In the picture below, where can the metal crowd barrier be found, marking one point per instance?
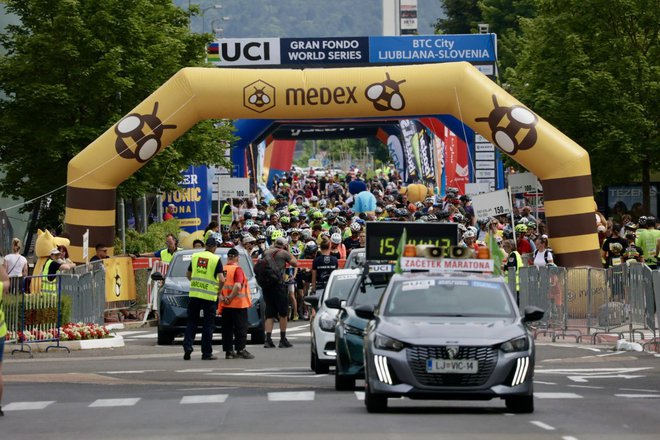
(592, 302)
(87, 295)
(35, 312)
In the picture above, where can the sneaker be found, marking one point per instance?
(296, 317)
(186, 355)
(284, 343)
(209, 358)
(230, 355)
(269, 343)
(244, 354)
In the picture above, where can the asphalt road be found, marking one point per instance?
(144, 391)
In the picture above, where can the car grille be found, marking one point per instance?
(176, 300)
(418, 355)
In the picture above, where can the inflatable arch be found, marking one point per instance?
(458, 89)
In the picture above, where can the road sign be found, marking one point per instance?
(233, 187)
(491, 204)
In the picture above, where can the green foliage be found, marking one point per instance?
(72, 69)
(150, 241)
(461, 17)
(590, 67)
(334, 149)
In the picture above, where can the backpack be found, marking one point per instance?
(266, 272)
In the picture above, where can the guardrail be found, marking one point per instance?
(591, 302)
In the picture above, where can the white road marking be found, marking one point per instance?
(544, 383)
(105, 403)
(555, 344)
(211, 398)
(27, 406)
(359, 395)
(587, 386)
(566, 437)
(557, 396)
(149, 336)
(291, 396)
(642, 391)
(639, 396)
(542, 425)
(508, 414)
(196, 370)
(207, 388)
(272, 374)
(130, 372)
(130, 333)
(616, 353)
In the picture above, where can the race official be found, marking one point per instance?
(206, 282)
(236, 301)
(165, 255)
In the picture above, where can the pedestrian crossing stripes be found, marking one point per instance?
(287, 396)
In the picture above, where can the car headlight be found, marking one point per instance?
(326, 322)
(351, 330)
(518, 344)
(386, 343)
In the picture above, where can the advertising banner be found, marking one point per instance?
(396, 153)
(325, 50)
(432, 48)
(491, 204)
(425, 153)
(408, 131)
(192, 202)
(119, 279)
(229, 52)
(457, 170)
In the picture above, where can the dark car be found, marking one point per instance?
(350, 328)
(448, 336)
(173, 298)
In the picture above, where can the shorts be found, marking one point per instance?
(2, 347)
(277, 302)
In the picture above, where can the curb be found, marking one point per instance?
(115, 341)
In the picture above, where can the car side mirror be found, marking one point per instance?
(365, 311)
(157, 276)
(532, 314)
(313, 301)
(333, 303)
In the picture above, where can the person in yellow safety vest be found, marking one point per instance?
(166, 254)
(206, 281)
(236, 301)
(51, 266)
(513, 262)
(4, 288)
(226, 215)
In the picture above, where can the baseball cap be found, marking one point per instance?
(55, 251)
(232, 252)
(249, 239)
(280, 242)
(211, 241)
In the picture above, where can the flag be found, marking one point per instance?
(399, 251)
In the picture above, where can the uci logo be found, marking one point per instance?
(131, 127)
(259, 96)
(513, 128)
(386, 95)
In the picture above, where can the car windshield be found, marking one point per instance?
(446, 297)
(179, 266)
(355, 258)
(341, 286)
(371, 291)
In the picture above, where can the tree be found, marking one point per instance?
(590, 67)
(75, 67)
(461, 17)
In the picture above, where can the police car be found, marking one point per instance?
(448, 336)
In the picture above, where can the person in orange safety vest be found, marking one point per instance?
(236, 301)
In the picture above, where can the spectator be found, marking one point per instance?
(16, 264)
(50, 269)
(101, 253)
(542, 255)
(169, 212)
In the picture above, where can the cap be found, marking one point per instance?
(249, 239)
(232, 252)
(280, 242)
(55, 251)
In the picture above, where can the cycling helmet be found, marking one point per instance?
(473, 229)
(306, 235)
(295, 213)
(294, 231)
(293, 207)
(379, 210)
(247, 215)
(524, 220)
(272, 202)
(224, 228)
(269, 230)
(277, 233)
(313, 199)
(641, 222)
(468, 234)
(331, 216)
(335, 230)
(295, 251)
(462, 228)
(401, 212)
(335, 210)
(285, 220)
(261, 238)
(341, 221)
(336, 238)
(356, 227)
(521, 228)
(531, 225)
(419, 205)
(249, 223)
(305, 205)
(418, 214)
(650, 221)
(318, 215)
(311, 247)
(459, 218)
(323, 203)
(304, 226)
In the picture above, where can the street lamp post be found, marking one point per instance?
(219, 30)
(216, 6)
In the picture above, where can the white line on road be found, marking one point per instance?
(27, 406)
(566, 437)
(544, 383)
(212, 398)
(291, 396)
(587, 386)
(557, 396)
(542, 425)
(611, 354)
(207, 388)
(129, 372)
(359, 395)
(105, 403)
(136, 332)
(642, 391)
(639, 396)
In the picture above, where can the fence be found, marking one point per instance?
(592, 302)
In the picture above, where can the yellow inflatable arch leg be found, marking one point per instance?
(459, 89)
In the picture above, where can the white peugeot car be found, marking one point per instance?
(322, 325)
